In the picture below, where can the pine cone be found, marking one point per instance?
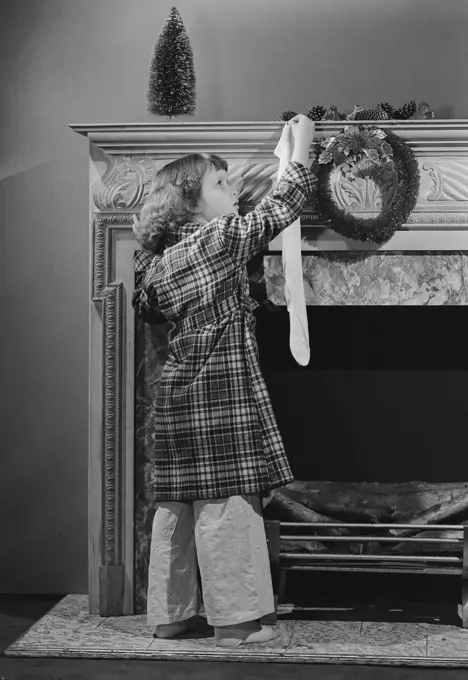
(388, 108)
(317, 113)
(371, 114)
(407, 110)
(287, 115)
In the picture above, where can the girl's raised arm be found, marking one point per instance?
(245, 237)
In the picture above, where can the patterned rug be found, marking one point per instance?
(305, 635)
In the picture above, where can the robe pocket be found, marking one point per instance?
(165, 521)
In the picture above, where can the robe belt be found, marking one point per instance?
(215, 314)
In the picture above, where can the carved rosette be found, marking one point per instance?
(112, 417)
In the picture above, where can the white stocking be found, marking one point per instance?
(292, 268)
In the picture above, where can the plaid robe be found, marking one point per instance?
(217, 435)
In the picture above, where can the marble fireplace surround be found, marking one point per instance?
(430, 254)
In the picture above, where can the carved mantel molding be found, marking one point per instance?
(111, 572)
(105, 229)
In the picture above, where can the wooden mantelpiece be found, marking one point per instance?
(123, 161)
(245, 138)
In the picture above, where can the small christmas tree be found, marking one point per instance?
(172, 75)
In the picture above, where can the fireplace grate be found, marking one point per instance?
(281, 561)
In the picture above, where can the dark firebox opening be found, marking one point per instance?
(384, 398)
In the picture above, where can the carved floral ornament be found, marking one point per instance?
(129, 180)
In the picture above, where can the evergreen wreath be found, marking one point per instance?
(385, 152)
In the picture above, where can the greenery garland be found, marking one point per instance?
(385, 151)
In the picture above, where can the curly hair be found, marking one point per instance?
(173, 198)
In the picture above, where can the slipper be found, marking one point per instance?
(170, 630)
(196, 624)
(263, 635)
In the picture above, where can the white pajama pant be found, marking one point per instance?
(226, 536)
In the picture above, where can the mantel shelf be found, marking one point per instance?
(258, 138)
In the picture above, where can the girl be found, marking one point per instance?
(217, 449)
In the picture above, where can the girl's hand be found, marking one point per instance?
(302, 130)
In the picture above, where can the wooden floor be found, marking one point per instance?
(17, 614)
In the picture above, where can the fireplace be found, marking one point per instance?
(385, 330)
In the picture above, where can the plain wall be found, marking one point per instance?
(86, 61)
